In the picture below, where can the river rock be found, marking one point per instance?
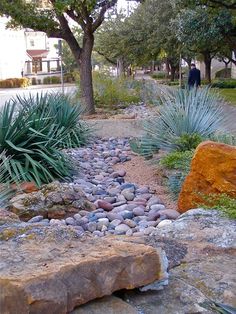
(169, 213)
(60, 274)
(121, 229)
(105, 205)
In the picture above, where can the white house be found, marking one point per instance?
(26, 52)
(12, 53)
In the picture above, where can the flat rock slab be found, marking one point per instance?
(52, 271)
(201, 249)
(106, 305)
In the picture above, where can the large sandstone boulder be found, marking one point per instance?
(213, 171)
(52, 270)
(201, 249)
(55, 200)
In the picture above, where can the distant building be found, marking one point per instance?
(26, 52)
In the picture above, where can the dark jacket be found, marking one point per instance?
(194, 77)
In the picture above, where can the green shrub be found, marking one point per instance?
(150, 92)
(175, 182)
(112, 92)
(178, 160)
(222, 202)
(229, 139)
(187, 141)
(52, 80)
(159, 75)
(224, 84)
(223, 73)
(15, 82)
(183, 111)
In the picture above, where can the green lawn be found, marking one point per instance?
(229, 94)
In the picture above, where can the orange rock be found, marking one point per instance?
(26, 187)
(213, 171)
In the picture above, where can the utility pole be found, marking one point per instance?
(180, 70)
(60, 56)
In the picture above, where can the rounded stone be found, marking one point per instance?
(170, 213)
(98, 233)
(100, 215)
(102, 222)
(149, 230)
(112, 216)
(129, 196)
(70, 221)
(121, 229)
(127, 214)
(84, 212)
(129, 232)
(105, 205)
(154, 215)
(157, 207)
(115, 223)
(77, 216)
(91, 226)
(36, 219)
(153, 200)
(110, 199)
(55, 222)
(138, 211)
(130, 223)
(164, 223)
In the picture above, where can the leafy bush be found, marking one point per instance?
(30, 142)
(224, 84)
(229, 139)
(111, 92)
(15, 82)
(175, 182)
(223, 73)
(193, 112)
(187, 141)
(150, 92)
(61, 113)
(222, 202)
(178, 160)
(159, 75)
(52, 80)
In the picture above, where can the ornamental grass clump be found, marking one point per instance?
(28, 146)
(32, 132)
(190, 114)
(60, 112)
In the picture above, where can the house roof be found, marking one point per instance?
(37, 53)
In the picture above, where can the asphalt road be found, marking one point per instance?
(7, 94)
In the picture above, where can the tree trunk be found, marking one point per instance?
(86, 79)
(167, 67)
(207, 61)
(120, 67)
(172, 73)
(83, 60)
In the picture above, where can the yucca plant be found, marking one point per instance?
(183, 112)
(28, 145)
(61, 112)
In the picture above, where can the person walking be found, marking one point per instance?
(194, 77)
